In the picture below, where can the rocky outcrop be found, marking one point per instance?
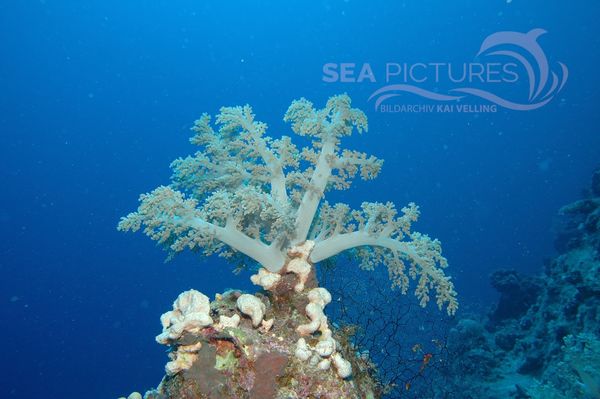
(541, 339)
(242, 357)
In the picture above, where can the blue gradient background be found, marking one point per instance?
(97, 98)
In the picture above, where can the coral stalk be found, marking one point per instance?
(246, 194)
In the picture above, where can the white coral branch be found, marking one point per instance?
(242, 117)
(418, 252)
(245, 192)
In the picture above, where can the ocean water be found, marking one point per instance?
(97, 98)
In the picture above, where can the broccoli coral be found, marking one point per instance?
(246, 193)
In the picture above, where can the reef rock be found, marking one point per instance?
(541, 340)
(251, 362)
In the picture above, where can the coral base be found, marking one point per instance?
(253, 363)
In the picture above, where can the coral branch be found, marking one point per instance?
(177, 223)
(417, 252)
(232, 118)
(337, 119)
(244, 193)
(312, 196)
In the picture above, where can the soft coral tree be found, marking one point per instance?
(245, 192)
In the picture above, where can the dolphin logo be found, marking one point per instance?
(528, 42)
(521, 47)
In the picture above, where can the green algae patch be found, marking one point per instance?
(227, 362)
(240, 335)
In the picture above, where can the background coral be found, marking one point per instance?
(541, 339)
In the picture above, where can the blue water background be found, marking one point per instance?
(97, 98)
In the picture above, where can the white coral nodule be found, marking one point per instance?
(265, 278)
(190, 314)
(244, 193)
(324, 353)
(133, 395)
(229, 322)
(252, 307)
(318, 298)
